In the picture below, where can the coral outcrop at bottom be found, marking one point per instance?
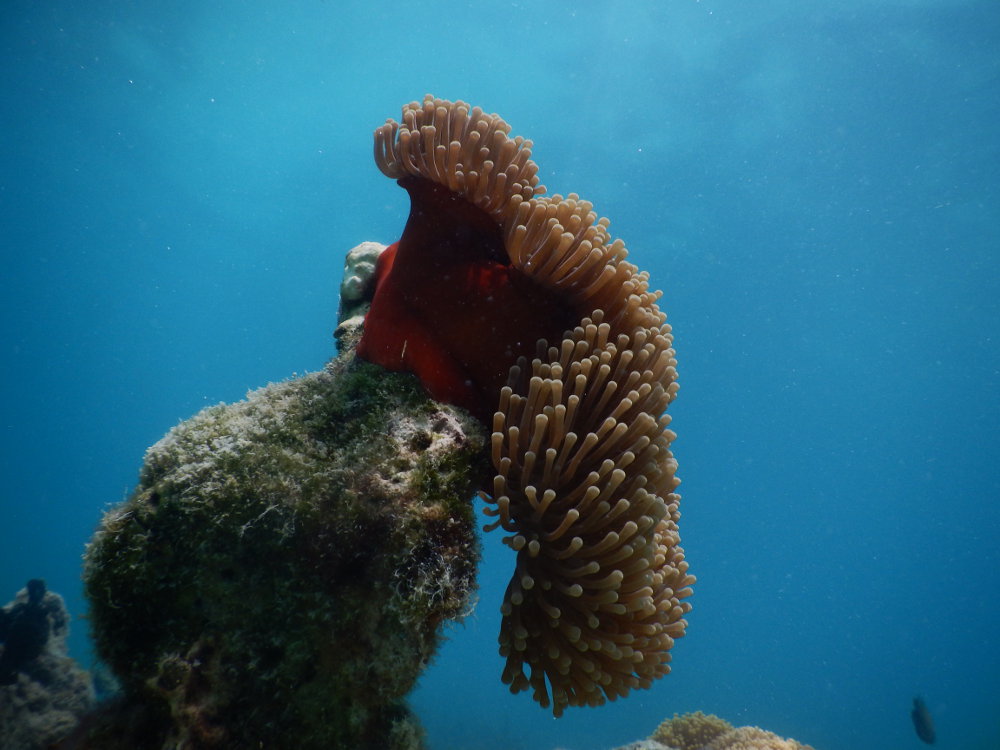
(698, 731)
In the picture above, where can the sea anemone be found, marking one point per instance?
(521, 308)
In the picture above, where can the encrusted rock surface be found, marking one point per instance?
(47, 693)
(280, 574)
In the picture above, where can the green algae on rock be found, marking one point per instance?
(281, 572)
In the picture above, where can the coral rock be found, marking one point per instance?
(279, 576)
(691, 731)
(698, 731)
(47, 693)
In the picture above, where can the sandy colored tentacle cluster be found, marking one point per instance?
(584, 475)
(558, 241)
(462, 148)
(585, 486)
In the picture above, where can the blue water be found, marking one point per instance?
(814, 186)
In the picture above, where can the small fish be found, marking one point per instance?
(922, 721)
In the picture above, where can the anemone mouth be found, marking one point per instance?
(584, 483)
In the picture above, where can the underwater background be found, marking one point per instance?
(813, 185)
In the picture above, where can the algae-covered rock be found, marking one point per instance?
(43, 693)
(279, 576)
